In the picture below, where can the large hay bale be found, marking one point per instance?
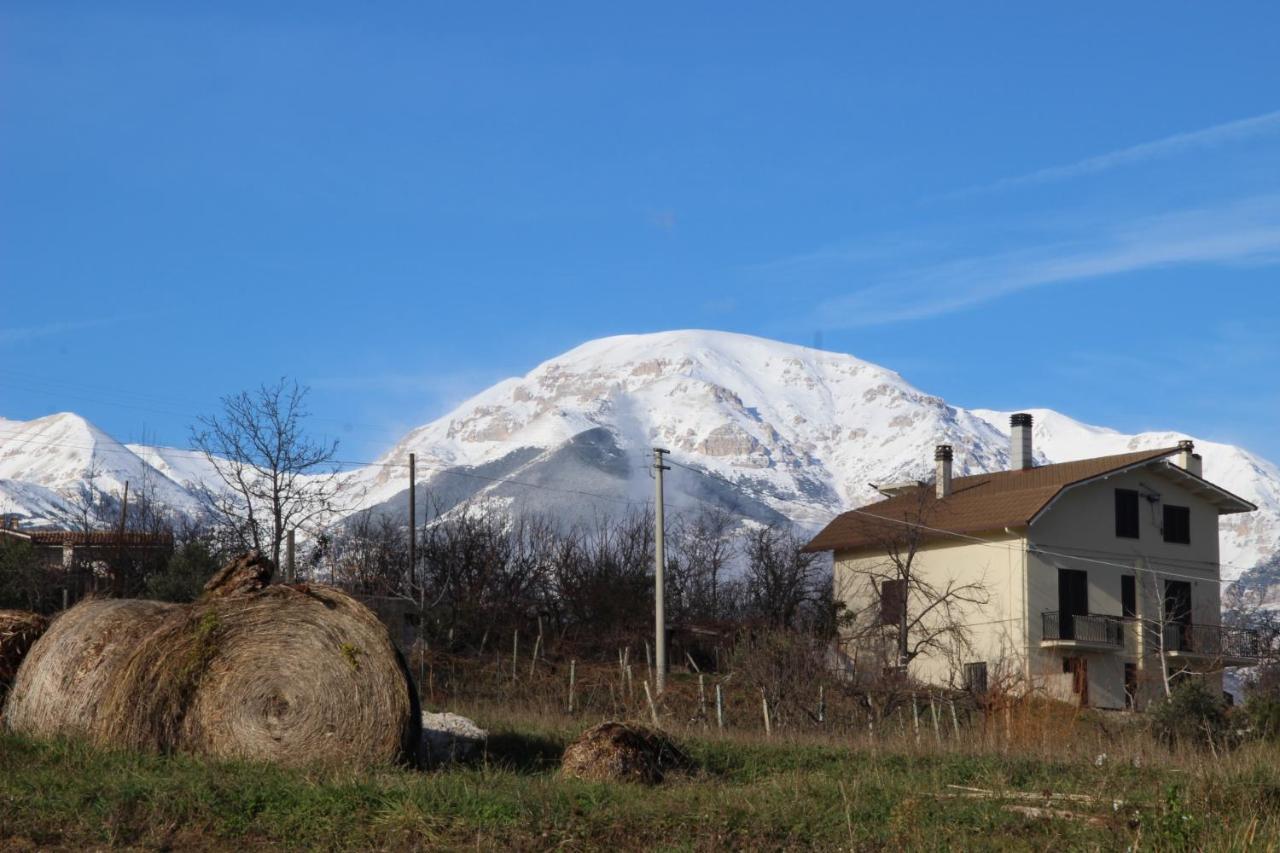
(291, 675)
(19, 629)
(622, 752)
(61, 683)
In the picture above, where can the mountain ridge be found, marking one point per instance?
(765, 429)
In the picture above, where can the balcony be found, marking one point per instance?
(1225, 646)
(1082, 631)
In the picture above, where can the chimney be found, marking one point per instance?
(1020, 436)
(1188, 460)
(942, 456)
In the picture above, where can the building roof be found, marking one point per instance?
(985, 502)
(80, 538)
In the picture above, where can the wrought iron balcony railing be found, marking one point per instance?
(1211, 641)
(1083, 628)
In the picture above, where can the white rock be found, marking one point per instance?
(448, 738)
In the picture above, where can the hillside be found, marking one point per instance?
(769, 430)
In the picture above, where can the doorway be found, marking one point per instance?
(1073, 599)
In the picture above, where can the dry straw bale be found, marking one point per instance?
(19, 629)
(291, 675)
(623, 752)
(61, 682)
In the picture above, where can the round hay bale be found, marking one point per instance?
(290, 675)
(622, 752)
(63, 679)
(19, 629)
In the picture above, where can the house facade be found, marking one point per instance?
(83, 558)
(1095, 581)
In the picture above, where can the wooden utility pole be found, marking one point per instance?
(659, 565)
(291, 568)
(413, 520)
(118, 574)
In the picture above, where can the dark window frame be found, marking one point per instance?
(893, 601)
(1129, 596)
(1128, 516)
(1177, 524)
(975, 677)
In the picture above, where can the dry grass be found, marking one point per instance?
(19, 629)
(61, 683)
(286, 674)
(622, 752)
(290, 675)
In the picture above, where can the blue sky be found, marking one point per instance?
(1075, 207)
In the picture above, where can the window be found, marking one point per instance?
(1128, 597)
(1126, 513)
(975, 677)
(893, 601)
(1177, 524)
(1177, 602)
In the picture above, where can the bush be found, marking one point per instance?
(1192, 715)
(1263, 715)
(183, 578)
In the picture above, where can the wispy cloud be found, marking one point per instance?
(22, 334)
(1241, 233)
(1169, 146)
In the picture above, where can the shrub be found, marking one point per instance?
(1263, 715)
(1192, 715)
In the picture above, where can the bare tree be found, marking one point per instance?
(700, 548)
(89, 501)
(781, 582)
(921, 611)
(273, 476)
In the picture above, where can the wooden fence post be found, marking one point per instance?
(653, 710)
(573, 665)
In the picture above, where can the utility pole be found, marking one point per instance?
(291, 568)
(659, 565)
(117, 579)
(413, 521)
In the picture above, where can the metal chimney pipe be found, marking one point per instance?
(942, 459)
(1020, 451)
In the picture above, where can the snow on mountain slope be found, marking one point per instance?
(801, 432)
(47, 463)
(186, 468)
(764, 429)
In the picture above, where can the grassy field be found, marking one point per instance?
(747, 792)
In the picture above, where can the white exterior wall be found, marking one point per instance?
(997, 631)
(1079, 528)
(1022, 582)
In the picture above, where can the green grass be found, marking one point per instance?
(746, 793)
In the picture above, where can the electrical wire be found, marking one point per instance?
(453, 472)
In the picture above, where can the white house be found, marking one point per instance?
(1096, 581)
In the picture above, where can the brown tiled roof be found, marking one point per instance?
(97, 537)
(977, 504)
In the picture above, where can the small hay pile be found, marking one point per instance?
(623, 752)
(63, 678)
(19, 629)
(286, 674)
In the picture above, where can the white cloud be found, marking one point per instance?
(1246, 232)
(1178, 143)
(21, 334)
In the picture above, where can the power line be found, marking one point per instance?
(1038, 551)
(452, 471)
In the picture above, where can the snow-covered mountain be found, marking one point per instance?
(51, 467)
(765, 428)
(769, 430)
